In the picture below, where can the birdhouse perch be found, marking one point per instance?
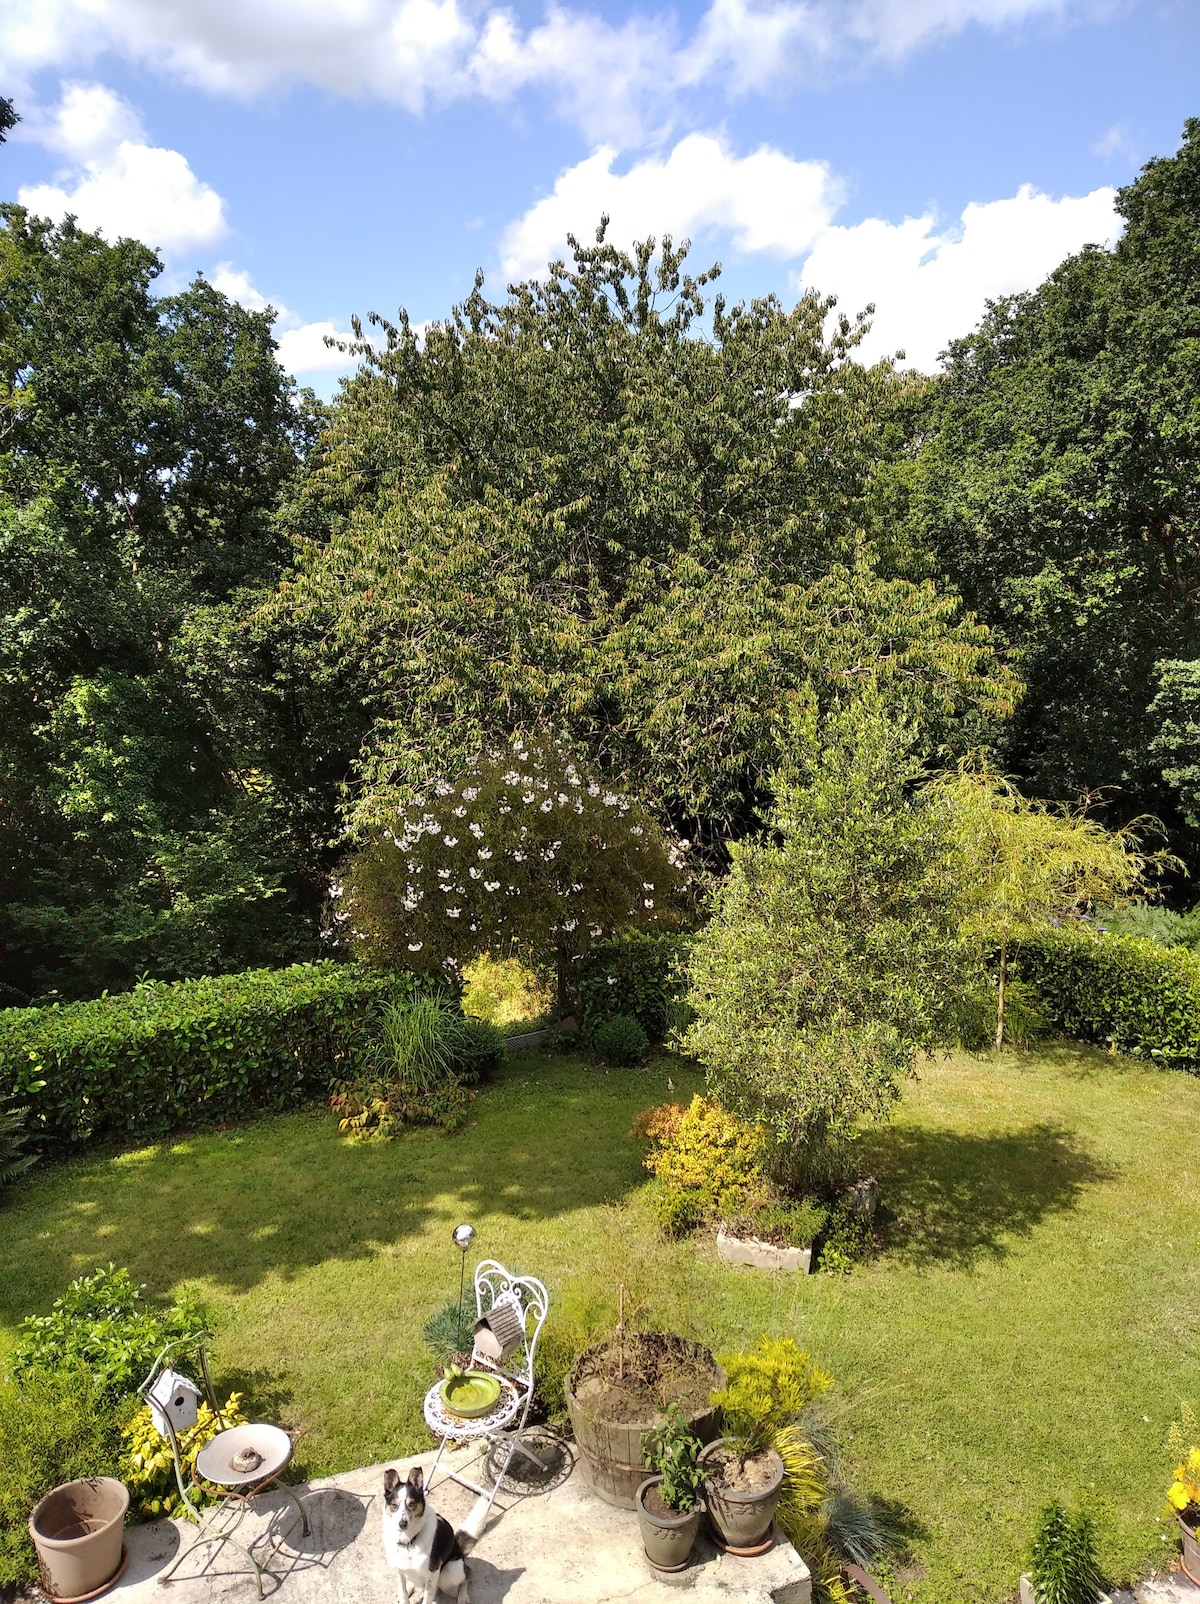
(499, 1331)
(175, 1399)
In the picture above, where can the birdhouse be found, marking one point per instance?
(175, 1399)
(500, 1330)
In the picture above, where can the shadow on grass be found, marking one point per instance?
(287, 1193)
(957, 1197)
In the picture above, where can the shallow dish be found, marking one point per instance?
(471, 1395)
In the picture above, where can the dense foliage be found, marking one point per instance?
(641, 973)
(174, 1055)
(603, 507)
(1059, 487)
(522, 849)
(834, 944)
(1121, 991)
(144, 444)
(102, 1324)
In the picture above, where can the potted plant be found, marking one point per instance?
(617, 1390)
(1183, 1495)
(1063, 1568)
(668, 1502)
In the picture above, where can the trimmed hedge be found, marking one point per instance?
(637, 974)
(1120, 991)
(191, 1052)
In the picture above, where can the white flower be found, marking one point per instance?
(593, 790)
(571, 924)
(563, 798)
(484, 853)
(491, 885)
(432, 827)
(504, 808)
(442, 789)
(453, 913)
(460, 812)
(450, 840)
(612, 980)
(579, 807)
(470, 793)
(611, 799)
(647, 885)
(511, 778)
(547, 805)
(648, 902)
(527, 798)
(476, 830)
(337, 891)
(415, 946)
(518, 857)
(635, 829)
(443, 874)
(474, 872)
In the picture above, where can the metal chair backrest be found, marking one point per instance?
(494, 1284)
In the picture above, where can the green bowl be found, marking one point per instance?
(471, 1395)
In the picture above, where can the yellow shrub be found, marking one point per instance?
(705, 1150)
(504, 992)
(148, 1469)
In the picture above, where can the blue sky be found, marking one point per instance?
(339, 156)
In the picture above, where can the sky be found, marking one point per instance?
(332, 157)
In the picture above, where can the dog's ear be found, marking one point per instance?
(391, 1480)
(416, 1478)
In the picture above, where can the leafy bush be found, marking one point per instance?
(973, 1012)
(176, 1055)
(13, 1161)
(1152, 922)
(620, 1041)
(104, 1325)
(1062, 1559)
(148, 1465)
(672, 1451)
(705, 1152)
(679, 1210)
(479, 1050)
(54, 1428)
(505, 993)
(636, 973)
(1120, 991)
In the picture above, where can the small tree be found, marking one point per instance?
(832, 946)
(1026, 864)
(522, 850)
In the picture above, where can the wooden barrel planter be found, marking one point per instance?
(616, 1393)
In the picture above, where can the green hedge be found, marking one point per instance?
(640, 975)
(1120, 991)
(193, 1052)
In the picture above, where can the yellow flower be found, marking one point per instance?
(1178, 1495)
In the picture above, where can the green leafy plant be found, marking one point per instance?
(103, 1325)
(55, 1426)
(428, 1053)
(13, 1160)
(148, 1465)
(504, 992)
(786, 1222)
(640, 973)
(679, 1210)
(672, 1451)
(1122, 992)
(1063, 1567)
(620, 1040)
(845, 1240)
(479, 1050)
(171, 1056)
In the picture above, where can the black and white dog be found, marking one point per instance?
(420, 1543)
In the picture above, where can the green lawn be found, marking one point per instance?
(1028, 1330)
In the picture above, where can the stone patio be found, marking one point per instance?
(564, 1546)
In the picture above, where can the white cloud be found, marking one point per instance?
(303, 350)
(1115, 142)
(929, 287)
(116, 182)
(614, 79)
(763, 202)
(235, 283)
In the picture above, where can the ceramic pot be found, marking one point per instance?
(743, 1520)
(667, 1539)
(77, 1530)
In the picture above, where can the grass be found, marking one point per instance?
(1027, 1332)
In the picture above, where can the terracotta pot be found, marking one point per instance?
(743, 1520)
(667, 1539)
(77, 1530)
(1191, 1551)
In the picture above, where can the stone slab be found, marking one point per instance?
(564, 1546)
(756, 1255)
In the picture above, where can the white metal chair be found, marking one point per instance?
(502, 1429)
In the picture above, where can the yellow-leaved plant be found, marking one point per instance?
(148, 1468)
(705, 1153)
(1184, 1492)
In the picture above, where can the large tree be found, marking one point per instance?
(143, 444)
(1059, 487)
(605, 507)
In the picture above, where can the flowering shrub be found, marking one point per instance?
(1183, 1495)
(522, 850)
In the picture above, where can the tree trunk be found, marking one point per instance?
(1000, 991)
(562, 968)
